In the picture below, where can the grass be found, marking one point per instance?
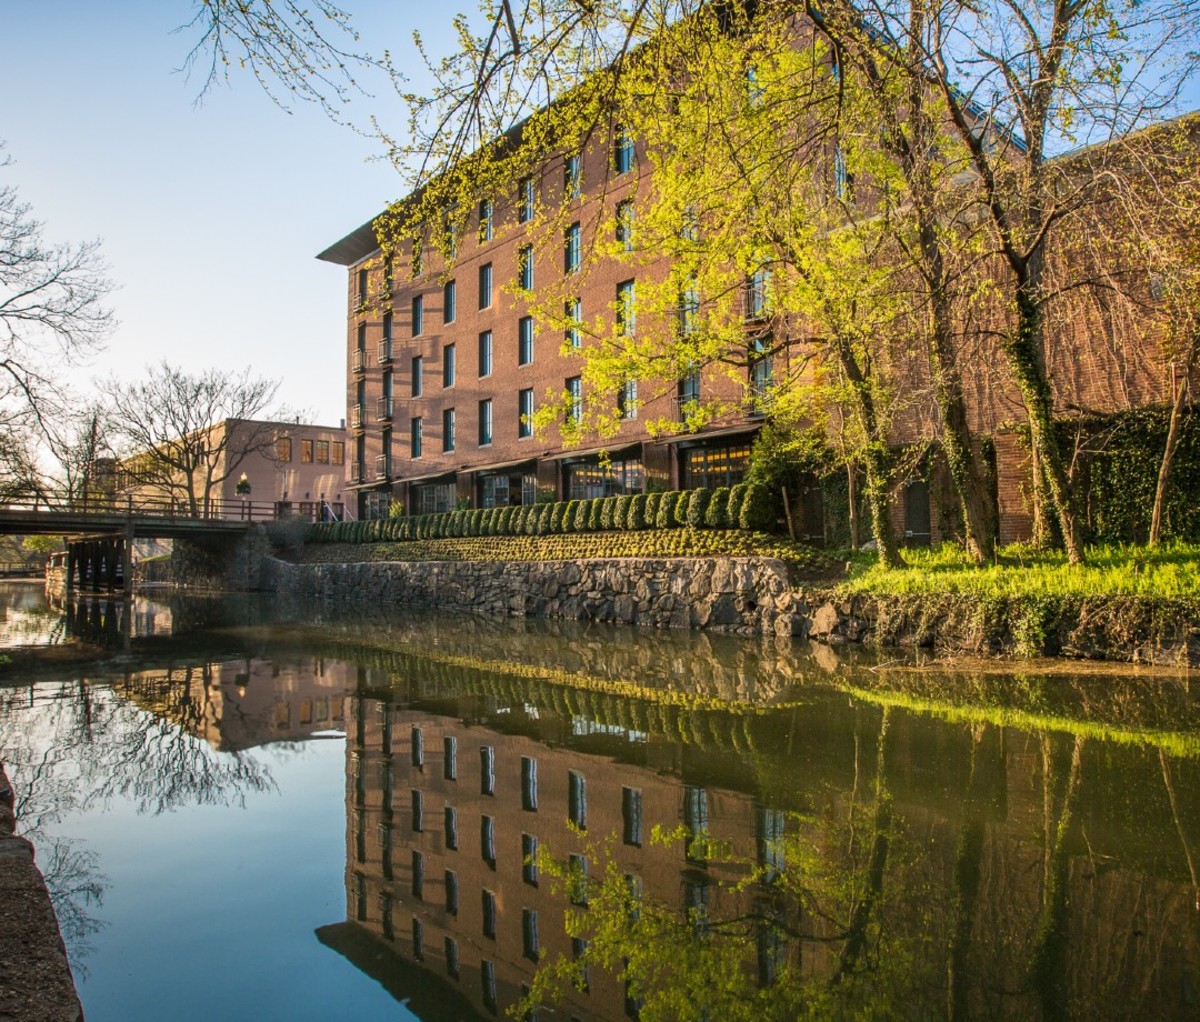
(1170, 572)
(655, 543)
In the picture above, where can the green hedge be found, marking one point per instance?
(747, 507)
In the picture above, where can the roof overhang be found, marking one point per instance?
(354, 247)
(712, 434)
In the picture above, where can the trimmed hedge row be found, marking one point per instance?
(745, 506)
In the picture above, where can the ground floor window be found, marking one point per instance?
(715, 465)
(433, 498)
(507, 489)
(376, 504)
(593, 479)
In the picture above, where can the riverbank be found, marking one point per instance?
(1126, 605)
(35, 978)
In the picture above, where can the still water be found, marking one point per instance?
(251, 811)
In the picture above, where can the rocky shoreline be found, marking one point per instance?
(36, 984)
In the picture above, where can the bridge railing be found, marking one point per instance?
(157, 507)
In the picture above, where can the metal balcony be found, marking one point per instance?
(356, 416)
(383, 409)
(358, 360)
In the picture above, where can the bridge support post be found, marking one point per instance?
(127, 563)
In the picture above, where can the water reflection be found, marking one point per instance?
(844, 855)
(662, 825)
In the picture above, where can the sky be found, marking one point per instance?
(210, 214)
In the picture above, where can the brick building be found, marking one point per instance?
(446, 365)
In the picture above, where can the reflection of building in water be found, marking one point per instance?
(446, 818)
(238, 704)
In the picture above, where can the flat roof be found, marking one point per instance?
(354, 247)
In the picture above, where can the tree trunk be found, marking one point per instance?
(1023, 348)
(852, 497)
(1179, 399)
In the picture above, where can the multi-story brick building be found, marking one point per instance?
(445, 367)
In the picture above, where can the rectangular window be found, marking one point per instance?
(626, 313)
(525, 268)
(525, 193)
(450, 758)
(689, 394)
(448, 431)
(770, 827)
(572, 176)
(385, 847)
(487, 840)
(450, 821)
(416, 428)
(488, 900)
(323, 445)
(487, 770)
(339, 452)
(571, 249)
(306, 452)
(418, 875)
(487, 980)
(418, 747)
(762, 373)
(418, 810)
(362, 287)
(418, 315)
(486, 211)
(451, 949)
(756, 294)
(695, 819)
(485, 286)
(529, 859)
(573, 312)
(485, 422)
(529, 798)
(451, 880)
(485, 354)
(418, 937)
(449, 365)
(631, 815)
(574, 386)
(627, 404)
(525, 341)
(417, 370)
(625, 224)
(577, 879)
(449, 301)
(283, 449)
(525, 413)
(531, 945)
(385, 346)
(385, 913)
(622, 151)
(689, 309)
(577, 799)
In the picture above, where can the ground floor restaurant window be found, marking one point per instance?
(433, 498)
(503, 490)
(716, 465)
(593, 479)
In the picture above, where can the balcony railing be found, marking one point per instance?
(356, 416)
(383, 409)
(356, 472)
(383, 466)
(385, 351)
(358, 360)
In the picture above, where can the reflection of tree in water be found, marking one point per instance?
(77, 747)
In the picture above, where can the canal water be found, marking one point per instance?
(247, 810)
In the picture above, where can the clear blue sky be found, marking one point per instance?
(210, 215)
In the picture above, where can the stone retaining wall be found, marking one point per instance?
(745, 596)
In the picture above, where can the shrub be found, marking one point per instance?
(504, 520)
(608, 510)
(582, 510)
(557, 513)
(651, 509)
(682, 503)
(716, 516)
(594, 513)
(621, 516)
(665, 519)
(396, 509)
(758, 510)
(569, 516)
(697, 506)
(733, 513)
(637, 512)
